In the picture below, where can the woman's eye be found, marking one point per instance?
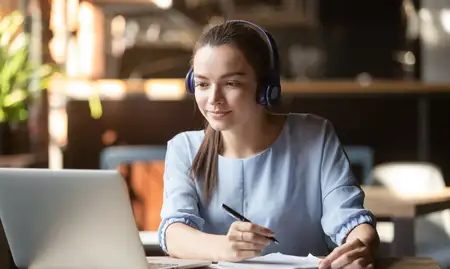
(233, 84)
(201, 85)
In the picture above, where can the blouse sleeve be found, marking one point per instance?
(180, 200)
(342, 198)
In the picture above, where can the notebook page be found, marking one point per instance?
(275, 260)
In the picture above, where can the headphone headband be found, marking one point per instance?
(269, 92)
(264, 35)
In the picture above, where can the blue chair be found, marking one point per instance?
(362, 156)
(112, 157)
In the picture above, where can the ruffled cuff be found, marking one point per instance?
(353, 221)
(162, 231)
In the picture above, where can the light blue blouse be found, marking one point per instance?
(301, 188)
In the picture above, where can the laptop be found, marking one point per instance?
(73, 219)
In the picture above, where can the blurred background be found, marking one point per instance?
(99, 84)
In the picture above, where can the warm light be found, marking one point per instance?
(425, 15)
(78, 89)
(84, 89)
(164, 4)
(56, 47)
(72, 66)
(111, 89)
(72, 8)
(57, 18)
(165, 89)
(118, 24)
(90, 38)
(57, 126)
(445, 19)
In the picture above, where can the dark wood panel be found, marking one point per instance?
(387, 124)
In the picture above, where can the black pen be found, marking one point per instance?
(239, 217)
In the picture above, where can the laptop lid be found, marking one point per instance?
(69, 219)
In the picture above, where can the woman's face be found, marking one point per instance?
(225, 87)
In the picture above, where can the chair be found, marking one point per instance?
(432, 231)
(362, 156)
(145, 183)
(112, 157)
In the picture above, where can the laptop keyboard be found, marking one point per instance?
(161, 265)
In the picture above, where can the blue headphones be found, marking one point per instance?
(269, 90)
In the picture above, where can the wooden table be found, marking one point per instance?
(17, 161)
(402, 211)
(406, 263)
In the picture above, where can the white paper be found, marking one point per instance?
(275, 260)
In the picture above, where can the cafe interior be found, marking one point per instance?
(114, 94)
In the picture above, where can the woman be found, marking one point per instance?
(286, 173)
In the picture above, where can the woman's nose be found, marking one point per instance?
(216, 95)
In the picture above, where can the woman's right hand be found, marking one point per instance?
(245, 240)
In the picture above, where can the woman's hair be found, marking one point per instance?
(252, 44)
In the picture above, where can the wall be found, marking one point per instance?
(387, 124)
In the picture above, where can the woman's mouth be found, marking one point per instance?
(218, 114)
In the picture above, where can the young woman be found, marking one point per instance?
(286, 173)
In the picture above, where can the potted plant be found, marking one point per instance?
(17, 73)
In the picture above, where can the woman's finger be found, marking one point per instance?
(255, 238)
(248, 237)
(339, 251)
(241, 245)
(254, 228)
(355, 258)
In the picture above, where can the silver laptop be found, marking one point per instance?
(73, 219)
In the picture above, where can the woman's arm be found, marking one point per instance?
(344, 219)
(189, 243)
(180, 201)
(342, 197)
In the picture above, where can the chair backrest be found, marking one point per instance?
(111, 157)
(362, 156)
(415, 179)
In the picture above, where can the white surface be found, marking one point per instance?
(275, 260)
(149, 238)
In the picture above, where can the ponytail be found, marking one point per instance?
(206, 162)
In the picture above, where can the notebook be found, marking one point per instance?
(275, 260)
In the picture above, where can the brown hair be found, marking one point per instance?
(255, 49)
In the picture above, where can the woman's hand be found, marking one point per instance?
(351, 255)
(245, 240)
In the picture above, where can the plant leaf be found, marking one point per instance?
(9, 27)
(12, 66)
(15, 97)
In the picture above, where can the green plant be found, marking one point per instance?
(17, 72)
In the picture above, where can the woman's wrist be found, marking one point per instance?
(367, 235)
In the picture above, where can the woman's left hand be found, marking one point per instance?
(351, 255)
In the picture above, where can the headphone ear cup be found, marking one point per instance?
(189, 81)
(273, 94)
(261, 97)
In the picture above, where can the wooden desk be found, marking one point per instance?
(17, 161)
(407, 263)
(402, 211)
